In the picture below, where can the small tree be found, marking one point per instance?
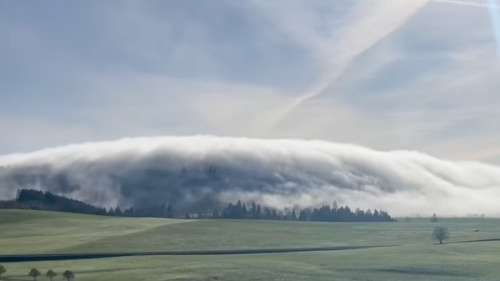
(2, 270)
(69, 275)
(51, 274)
(34, 273)
(440, 234)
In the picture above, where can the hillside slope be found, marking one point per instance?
(28, 231)
(31, 232)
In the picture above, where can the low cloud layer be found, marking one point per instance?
(203, 170)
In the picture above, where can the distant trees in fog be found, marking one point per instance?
(40, 200)
(34, 199)
(323, 213)
(159, 211)
(241, 210)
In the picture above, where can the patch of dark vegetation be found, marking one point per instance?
(39, 200)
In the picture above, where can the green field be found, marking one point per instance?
(413, 256)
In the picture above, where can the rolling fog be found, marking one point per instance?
(199, 171)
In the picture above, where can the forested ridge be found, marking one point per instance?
(39, 200)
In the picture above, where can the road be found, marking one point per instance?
(77, 256)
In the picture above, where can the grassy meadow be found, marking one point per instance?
(412, 256)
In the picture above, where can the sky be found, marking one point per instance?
(386, 74)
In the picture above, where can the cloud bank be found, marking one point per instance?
(199, 171)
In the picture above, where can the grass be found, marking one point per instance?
(417, 258)
(25, 231)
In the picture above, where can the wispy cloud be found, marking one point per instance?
(477, 4)
(395, 74)
(370, 23)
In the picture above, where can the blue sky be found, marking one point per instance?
(389, 74)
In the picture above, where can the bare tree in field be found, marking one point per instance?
(2, 270)
(51, 274)
(34, 273)
(69, 275)
(440, 234)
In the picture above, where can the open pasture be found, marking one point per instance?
(412, 255)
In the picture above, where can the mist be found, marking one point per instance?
(200, 171)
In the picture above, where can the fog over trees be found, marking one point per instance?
(39, 200)
(201, 171)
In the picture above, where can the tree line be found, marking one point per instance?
(332, 213)
(35, 199)
(253, 210)
(39, 200)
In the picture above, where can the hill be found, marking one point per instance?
(414, 256)
(26, 231)
(40, 200)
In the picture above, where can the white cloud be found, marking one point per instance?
(189, 170)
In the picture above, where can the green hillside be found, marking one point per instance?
(26, 231)
(414, 258)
